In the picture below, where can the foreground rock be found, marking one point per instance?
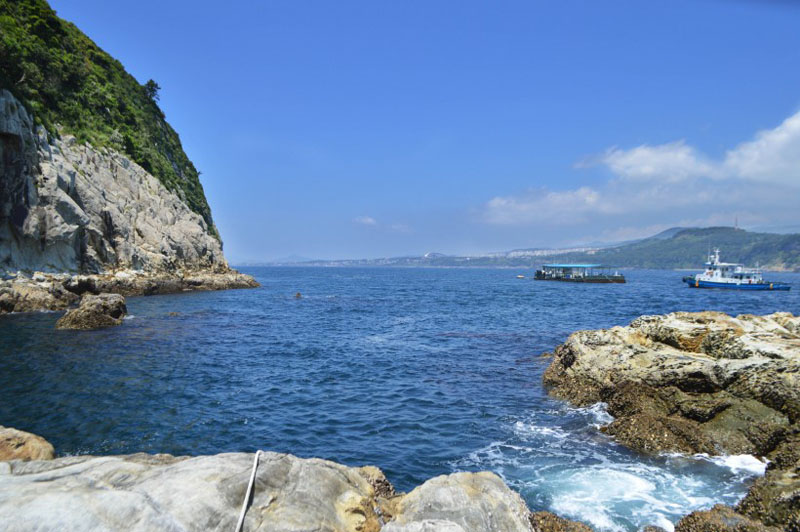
(43, 291)
(162, 492)
(95, 312)
(461, 502)
(19, 445)
(699, 383)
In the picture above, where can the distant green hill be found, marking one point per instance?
(65, 79)
(688, 248)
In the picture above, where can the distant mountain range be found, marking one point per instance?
(674, 248)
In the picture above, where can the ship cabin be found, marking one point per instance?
(578, 273)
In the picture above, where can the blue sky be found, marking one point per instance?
(364, 129)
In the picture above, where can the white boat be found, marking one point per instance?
(731, 275)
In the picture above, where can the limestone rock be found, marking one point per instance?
(95, 312)
(663, 372)
(473, 502)
(19, 445)
(161, 492)
(66, 206)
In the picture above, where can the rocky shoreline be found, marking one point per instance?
(20, 292)
(699, 383)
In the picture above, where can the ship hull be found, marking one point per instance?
(594, 280)
(694, 283)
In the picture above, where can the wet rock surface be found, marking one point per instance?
(547, 522)
(699, 383)
(95, 312)
(20, 445)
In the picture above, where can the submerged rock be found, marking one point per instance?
(20, 445)
(95, 312)
(699, 383)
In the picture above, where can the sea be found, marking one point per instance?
(420, 372)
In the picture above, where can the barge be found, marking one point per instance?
(578, 273)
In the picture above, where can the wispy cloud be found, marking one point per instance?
(365, 220)
(659, 185)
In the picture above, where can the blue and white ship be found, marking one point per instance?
(732, 276)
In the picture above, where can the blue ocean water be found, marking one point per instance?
(418, 371)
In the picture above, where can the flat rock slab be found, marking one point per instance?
(161, 492)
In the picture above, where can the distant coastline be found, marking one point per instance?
(679, 249)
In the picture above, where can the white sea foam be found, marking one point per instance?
(524, 430)
(739, 463)
(556, 458)
(598, 412)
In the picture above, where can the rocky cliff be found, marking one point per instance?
(69, 207)
(700, 383)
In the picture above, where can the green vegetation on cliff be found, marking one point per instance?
(65, 79)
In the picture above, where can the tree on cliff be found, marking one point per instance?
(151, 88)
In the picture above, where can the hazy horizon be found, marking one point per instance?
(364, 130)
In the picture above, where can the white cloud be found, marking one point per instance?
(400, 228)
(569, 206)
(774, 155)
(670, 162)
(365, 220)
(667, 184)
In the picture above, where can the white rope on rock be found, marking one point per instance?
(247, 493)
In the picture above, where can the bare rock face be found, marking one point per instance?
(469, 502)
(69, 207)
(699, 382)
(19, 445)
(95, 312)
